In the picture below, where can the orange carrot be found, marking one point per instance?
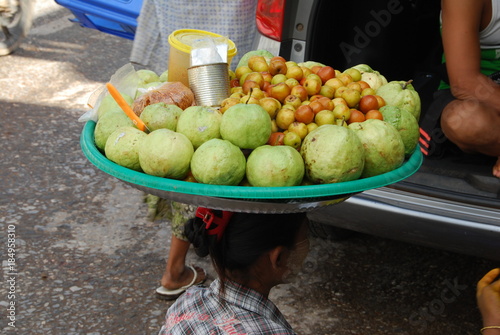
(125, 107)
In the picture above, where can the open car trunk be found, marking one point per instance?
(451, 203)
(401, 40)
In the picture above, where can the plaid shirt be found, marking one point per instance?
(241, 311)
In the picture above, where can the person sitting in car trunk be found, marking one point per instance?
(470, 100)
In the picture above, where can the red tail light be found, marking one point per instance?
(269, 18)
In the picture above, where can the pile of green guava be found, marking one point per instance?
(202, 144)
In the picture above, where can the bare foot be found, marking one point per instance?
(183, 279)
(496, 168)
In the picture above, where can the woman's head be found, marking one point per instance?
(245, 239)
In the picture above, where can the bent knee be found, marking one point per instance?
(461, 122)
(468, 124)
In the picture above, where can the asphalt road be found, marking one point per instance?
(80, 257)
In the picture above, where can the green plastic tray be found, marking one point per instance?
(244, 198)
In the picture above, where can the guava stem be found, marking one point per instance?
(407, 83)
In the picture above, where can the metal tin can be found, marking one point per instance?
(209, 83)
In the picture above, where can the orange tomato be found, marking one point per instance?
(356, 116)
(367, 103)
(374, 114)
(305, 114)
(381, 101)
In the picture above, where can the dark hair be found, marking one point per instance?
(246, 237)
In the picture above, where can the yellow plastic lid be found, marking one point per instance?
(183, 39)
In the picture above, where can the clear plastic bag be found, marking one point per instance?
(172, 93)
(124, 79)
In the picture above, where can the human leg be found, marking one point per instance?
(177, 274)
(473, 127)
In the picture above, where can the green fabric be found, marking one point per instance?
(175, 212)
(490, 63)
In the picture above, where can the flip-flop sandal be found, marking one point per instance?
(167, 294)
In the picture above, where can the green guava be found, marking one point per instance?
(405, 123)
(275, 166)
(374, 78)
(122, 147)
(218, 162)
(166, 153)
(401, 94)
(161, 115)
(107, 124)
(147, 76)
(244, 59)
(384, 148)
(164, 76)
(310, 63)
(332, 154)
(363, 68)
(108, 103)
(200, 124)
(247, 126)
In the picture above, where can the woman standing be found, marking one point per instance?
(234, 19)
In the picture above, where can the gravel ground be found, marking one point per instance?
(87, 260)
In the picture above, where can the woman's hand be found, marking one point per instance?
(488, 300)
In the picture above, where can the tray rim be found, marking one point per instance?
(98, 159)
